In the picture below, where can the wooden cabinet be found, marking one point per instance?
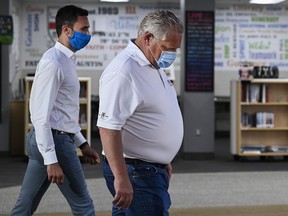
(85, 107)
(28, 86)
(17, 138)
(259, 117)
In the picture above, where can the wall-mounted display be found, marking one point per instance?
(6, 29)
(199, 62)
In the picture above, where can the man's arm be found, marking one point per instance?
(112, 146)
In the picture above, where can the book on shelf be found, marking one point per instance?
(254, 93)
(250, 149)
(251, 152)
(282, 149)
(82, 118)
(265, 120)
(257, 120)
(83, 91)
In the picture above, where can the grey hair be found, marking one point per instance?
(160, 23)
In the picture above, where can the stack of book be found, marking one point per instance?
(258, 120)
(254, 93)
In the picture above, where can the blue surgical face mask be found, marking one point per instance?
(79, 40)
(166, 58)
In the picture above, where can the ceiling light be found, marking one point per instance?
(114, 0)
(265, 1)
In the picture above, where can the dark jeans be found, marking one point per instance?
(150, 190)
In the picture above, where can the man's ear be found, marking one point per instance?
(67, 30)
(147, 38)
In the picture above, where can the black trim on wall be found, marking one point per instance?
(0, 83)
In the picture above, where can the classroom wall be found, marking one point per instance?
(244, 33)
(112, 25)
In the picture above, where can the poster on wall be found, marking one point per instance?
(6, 29)
(251, 35)
(199, 62)
(111, 28)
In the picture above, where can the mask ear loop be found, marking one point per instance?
(158, 44)
(66, 31)
(152, 54)
(148, 37)
(72, 34)
(152, 36)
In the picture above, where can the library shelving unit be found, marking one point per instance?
(259, 118)
(85, 107)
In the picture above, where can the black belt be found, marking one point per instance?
(138, 161)
(62, 133)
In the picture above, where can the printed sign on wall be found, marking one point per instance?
(252, 35)
(199, 70)
(6, 29)
(111, 28)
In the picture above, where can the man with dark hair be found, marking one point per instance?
(54, 107)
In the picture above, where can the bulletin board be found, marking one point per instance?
(199, 69)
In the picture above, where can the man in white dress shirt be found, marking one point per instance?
(54, 107)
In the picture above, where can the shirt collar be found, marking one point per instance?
(138, 55)
(66, 51)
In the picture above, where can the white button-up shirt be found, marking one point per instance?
(54, 99)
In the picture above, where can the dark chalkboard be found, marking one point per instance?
(199, 56)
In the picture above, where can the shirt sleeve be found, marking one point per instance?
(79, 139)
(118, 101)
(44, 90)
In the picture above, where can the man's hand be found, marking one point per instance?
(55, 173)
(168, 169)
(90, 155)
(124, 193)
(112, 146)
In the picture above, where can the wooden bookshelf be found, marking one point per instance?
(259, 127)
(17, 110)
(85, 107)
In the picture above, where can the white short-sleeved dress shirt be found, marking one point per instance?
(54, 99)
(142, 102)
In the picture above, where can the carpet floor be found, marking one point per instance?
(270, 210)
